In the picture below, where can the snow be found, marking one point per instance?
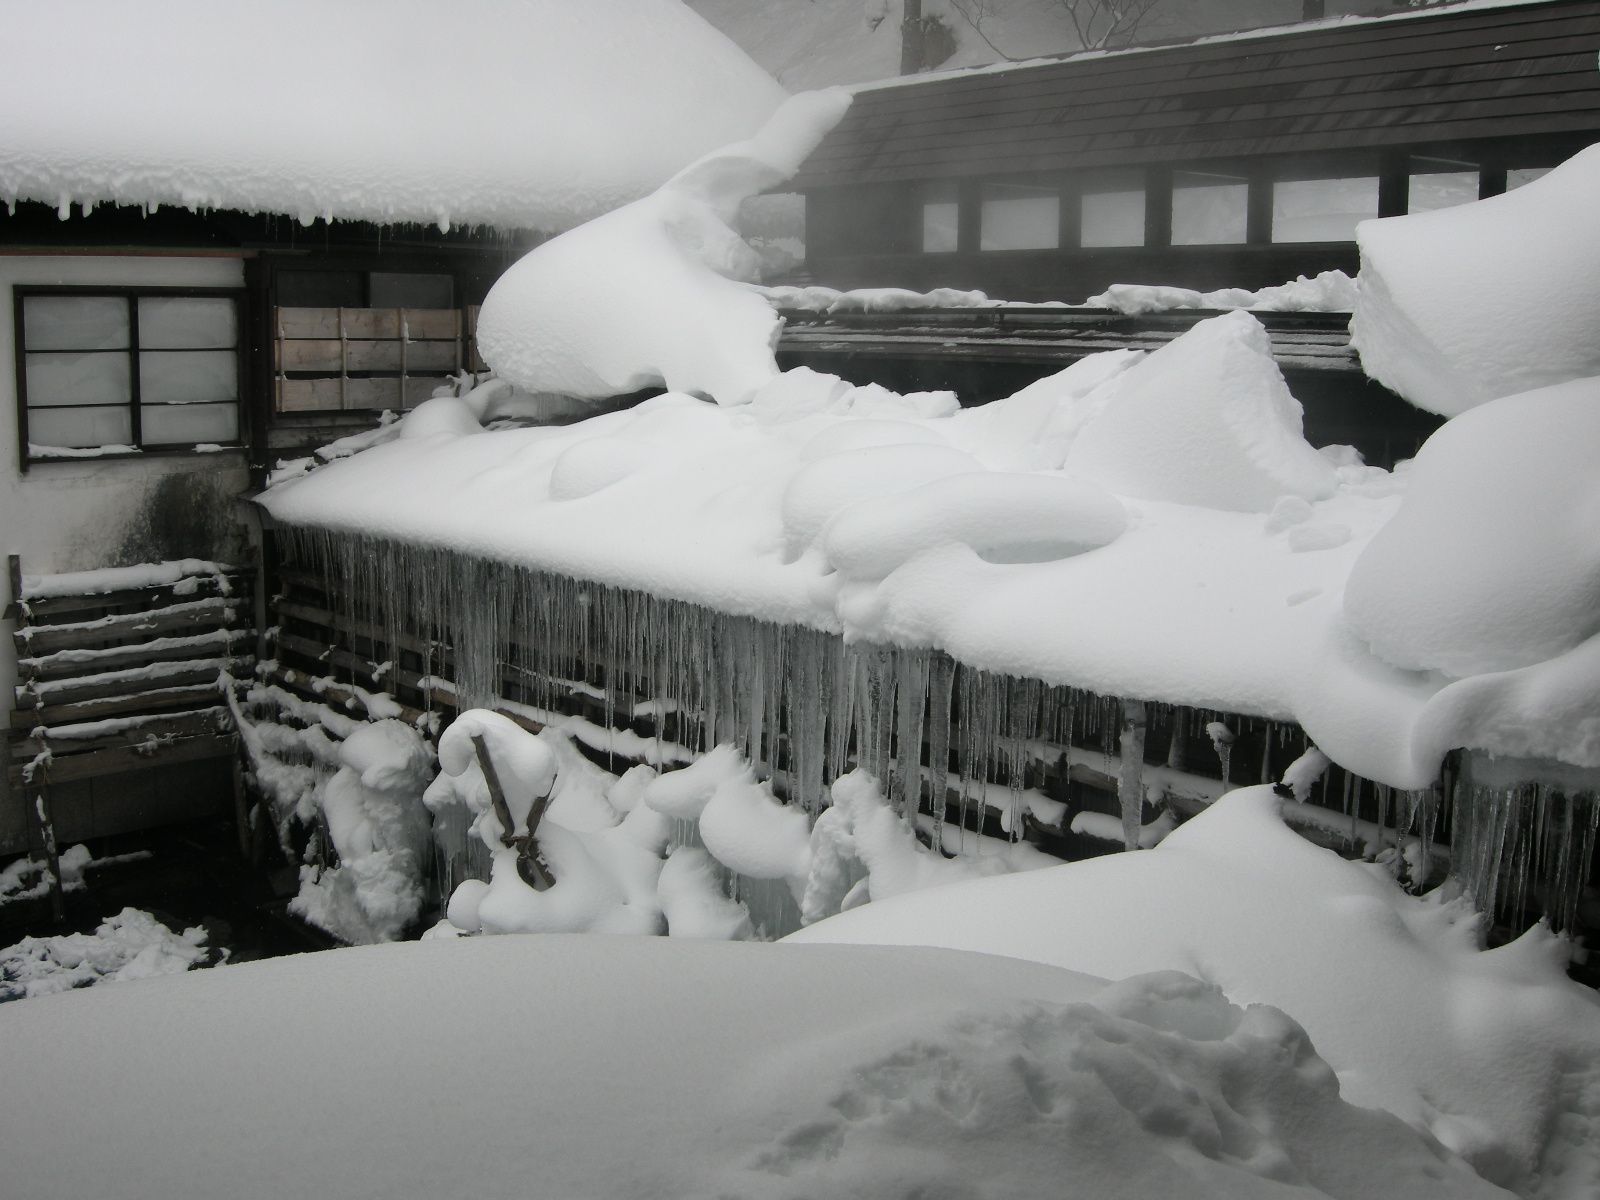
(637, 1067)
(116, 579)
(1208, 422)
(372, 809)
(646, 294)
(1491, 1051)
(130, 945)
(545, 114)
(1468, 579)
(1484, 300)
(1329, 291)
(835, 508)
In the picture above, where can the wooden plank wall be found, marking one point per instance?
(124, 680)
(368, 359)
(1506, 72)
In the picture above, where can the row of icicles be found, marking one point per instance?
(805, 706)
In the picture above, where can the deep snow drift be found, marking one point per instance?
(647, 295)
(620, 1067)
(534, 114)
(1493, 1051)
(1466, 304)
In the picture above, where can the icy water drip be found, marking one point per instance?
(970, 748)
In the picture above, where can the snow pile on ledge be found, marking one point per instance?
(628, 1068)
(545, 114)
(1330, 291)
(1491, 1051)
(646, 294)
(1489, 299)
(904, 520)
(130, 945)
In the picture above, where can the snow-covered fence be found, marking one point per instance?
(643, 679)
(119, 672)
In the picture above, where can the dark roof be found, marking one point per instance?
(1450, 75)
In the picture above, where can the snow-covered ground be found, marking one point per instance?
(130, 945)
(624, 1067)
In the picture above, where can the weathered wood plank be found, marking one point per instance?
(156, 701)
(308, 395)
(335, 357)
(128, 628)
(64, 741)
(68, 664)
(194, 587)
(112, 684)
(119, 759)
(381, 323)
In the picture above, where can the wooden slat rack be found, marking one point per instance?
(118, 670)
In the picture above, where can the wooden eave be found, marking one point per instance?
(1452, 76)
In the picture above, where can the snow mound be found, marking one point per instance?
(1206, 420)
(1469, 579)
(1330, 291)
(903, 1072)
(1491, 1051)
(645, 295)
(861, 475)
(374, 813)
(1489, 299)
(556, 113)
(1001, 517)
(130, 945)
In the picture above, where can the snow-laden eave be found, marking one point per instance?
(1264, 33)
(510, 214)
(536, 114)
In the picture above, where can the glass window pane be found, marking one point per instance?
(1017, 216)
(1442, 189)
(187, 323)
(396, 289)
(80, 427)
(1209, 211)
(66, 378)
(939, 226)
(188, 424)
(75, 322)
(188, 376)
(1112, 218)
(1322, 210)
(1521, 175)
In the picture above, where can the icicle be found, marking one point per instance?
(1130, 789)
(1222, 739)
(941, 678)
(911, 701)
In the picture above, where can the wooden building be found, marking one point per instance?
(1238, 161)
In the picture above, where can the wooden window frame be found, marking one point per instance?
(21, 293)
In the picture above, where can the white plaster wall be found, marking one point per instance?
(77, 515)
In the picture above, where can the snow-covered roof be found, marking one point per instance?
(513, 113)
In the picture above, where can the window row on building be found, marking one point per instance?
(1108, 208)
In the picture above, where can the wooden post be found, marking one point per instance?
(1130, 788)
(497, 795)
(911, 36)
(47, 836)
